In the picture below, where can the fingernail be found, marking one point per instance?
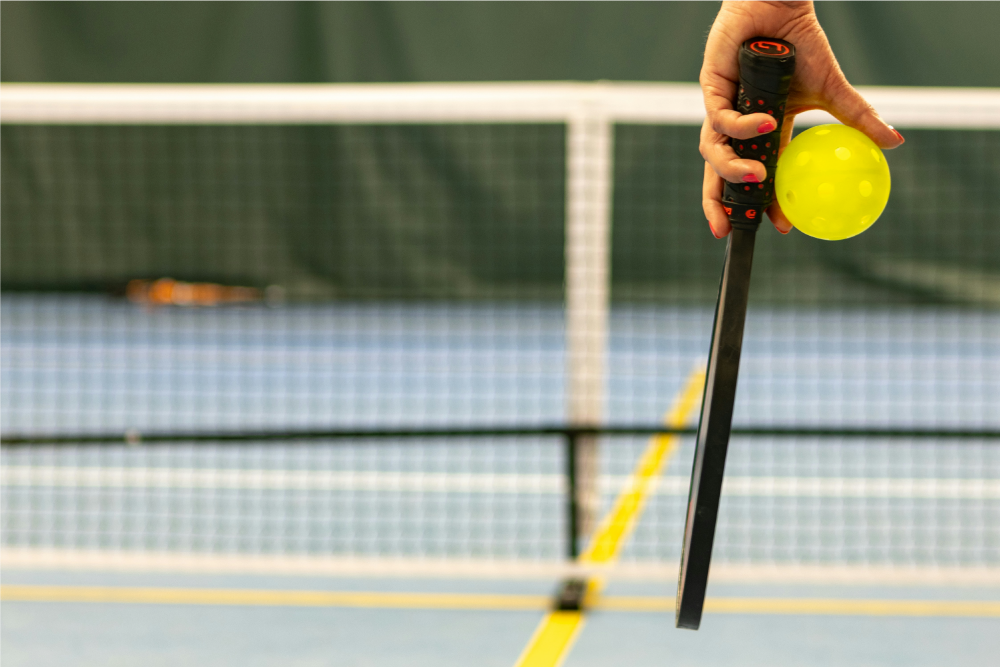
(765, 127)
(750, 178)
(784, 231)
(714, 233)
(898, 135)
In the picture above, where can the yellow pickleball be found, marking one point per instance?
(832, 182)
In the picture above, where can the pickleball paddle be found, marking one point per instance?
(766, 68)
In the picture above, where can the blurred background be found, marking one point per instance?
(877, 43)
(392, 297)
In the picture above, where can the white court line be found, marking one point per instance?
(853, 487)
(427, 482)
(35, 558)
(216, 478)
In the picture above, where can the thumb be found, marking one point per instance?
(848, 106)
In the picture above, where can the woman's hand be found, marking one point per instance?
(818, 83)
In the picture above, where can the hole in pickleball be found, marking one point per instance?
(820, 133)
(865, 219)
(865, 188)
(803, 159)
(878, 158)
(843, 153)
(790, 196)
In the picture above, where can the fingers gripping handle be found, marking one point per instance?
(766, 68)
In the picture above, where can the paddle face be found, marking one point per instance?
(766, 67)
(713, 429)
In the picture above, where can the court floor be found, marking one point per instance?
(925, 627)
(89, 364)
(86, 363)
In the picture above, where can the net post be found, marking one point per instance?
(589, 150)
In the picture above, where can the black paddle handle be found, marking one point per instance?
(766, 68)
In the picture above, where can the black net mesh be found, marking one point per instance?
(183, 278)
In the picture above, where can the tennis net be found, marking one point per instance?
(416, 323)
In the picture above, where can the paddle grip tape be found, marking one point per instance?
(766, 69)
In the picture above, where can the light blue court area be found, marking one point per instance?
(97, 364)
(159, 633)
(807, 507)
(124, 634)
(764, 641)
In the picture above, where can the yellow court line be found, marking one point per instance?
(555, 634)
(616, 526)
(852, 607)
(561, 629)
(811, 607)
(273, 598)
(552, 640)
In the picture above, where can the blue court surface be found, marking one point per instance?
(91, 363)
(906, 531)
(82, 633)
